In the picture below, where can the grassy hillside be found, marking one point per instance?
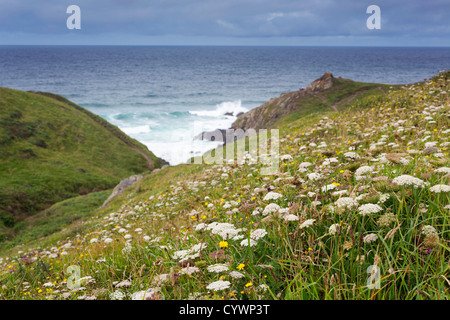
(359, 209)
(52, 149)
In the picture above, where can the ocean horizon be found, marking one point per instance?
(165, 95)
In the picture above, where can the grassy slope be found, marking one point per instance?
(52, 149)
(294, 261)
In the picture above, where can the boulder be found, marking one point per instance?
(128, 182)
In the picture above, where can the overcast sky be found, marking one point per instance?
(227, 22)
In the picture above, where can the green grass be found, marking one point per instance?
(58, 222)
(51, 150)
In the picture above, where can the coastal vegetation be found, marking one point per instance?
(358, 210)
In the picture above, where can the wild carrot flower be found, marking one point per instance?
(370, 238)
(218, 285)
(307, 223)
(440, 188)
(369, 208)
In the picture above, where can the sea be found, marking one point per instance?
(164, 96)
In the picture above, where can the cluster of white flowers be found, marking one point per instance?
(148, 294)
(427, 229)
(217, 268)
(248, 242)
(383, 198)
(201, 226)
(236, 275)
(314, 176)
(329, 187)
(329, 161)
(290, 217)
(407, 180)
(346, 203)
(117, 295)
(191, 253)
(370, 238)
(333, 228)
(286, 157)
(303, 167)
(442, 170)
(190, 270)
(218, 285)
(223, 229)
(440, 188)
(369, 208)
(361, 171)
(258, 234)
(307, 223)
(272, 196)
(271, 208)
(351, 155)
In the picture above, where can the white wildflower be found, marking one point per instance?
(49, 285)
(369, 208)
(370, 238)
(333, 228)
(217, 268)
(427, 229)
(304, 165)
(262, 287)
(440, 188)
(290, 217)
(218, 285)
(346, 203)
(190, 270)
(307, 223)
(271, 208)
(236, 275)
(117, 295)
(258, 234)
(361, 171)
(200, 226)
(286, 157)
(329, 187)
(247, 242)
(314, 176)
(272, 196)
(442, 170)
(407, 180)
(351, 155)
(149, 294)
(383, 198)
(329, 161)
(225, 230)
(124, 283)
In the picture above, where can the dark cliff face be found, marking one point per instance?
(268, 113)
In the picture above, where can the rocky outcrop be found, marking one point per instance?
(128, 182)
(323, 83)
(274, 109)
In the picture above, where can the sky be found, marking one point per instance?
(226, 22)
